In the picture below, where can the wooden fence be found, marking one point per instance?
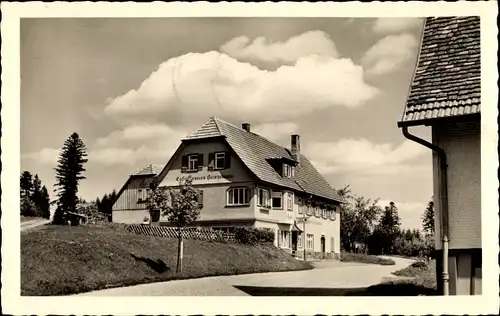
(188, 233)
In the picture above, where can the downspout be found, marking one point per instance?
(443, 200)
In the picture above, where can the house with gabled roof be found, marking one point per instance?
(130, 204)
(246, 180)
(445, 94)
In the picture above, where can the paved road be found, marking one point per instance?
(33, 223)
(328, 275)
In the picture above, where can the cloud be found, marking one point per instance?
(285, 52)
(409, 212)
(395, 25)
(361, 157)
(137, 143)
(277, 132)
(44, 156)
(389, 53)
(195, 86)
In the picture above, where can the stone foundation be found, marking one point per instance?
(314, 254)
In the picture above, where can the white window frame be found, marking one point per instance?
(246, 196)
(267, 201)
(324, 214)
(218, 155)
(288, 171)
(310, 242)
(192, 159)
(300, 205)
(277, 195)
(289, 201)
(317, 212)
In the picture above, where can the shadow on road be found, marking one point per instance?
(375, 290)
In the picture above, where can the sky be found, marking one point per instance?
(133, 88)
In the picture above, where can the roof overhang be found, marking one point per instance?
(434, 121)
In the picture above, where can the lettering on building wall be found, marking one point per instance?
(207, 178)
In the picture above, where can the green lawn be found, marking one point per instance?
(61, 260)
(28, 218)
(424, 274)
(363, 258)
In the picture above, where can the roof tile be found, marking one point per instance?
(448, 69)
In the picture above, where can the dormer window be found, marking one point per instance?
(288, 171)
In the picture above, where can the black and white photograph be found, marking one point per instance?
(162, 156)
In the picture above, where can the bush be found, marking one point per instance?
(252, 236)
(419, 265)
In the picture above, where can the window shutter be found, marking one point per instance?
(228, 159)
(184, 163)
(211, 161)
(200, 162)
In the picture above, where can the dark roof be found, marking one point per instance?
(148, 170)
(447, 79)
(254, 150)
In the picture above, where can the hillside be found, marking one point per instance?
(61, 260)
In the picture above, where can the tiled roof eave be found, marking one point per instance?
(302, 190)
(437, 120)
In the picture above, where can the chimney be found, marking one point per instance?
(296, 147)
(246, 127)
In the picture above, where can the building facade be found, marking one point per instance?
(445, 95)
(130, 205)
(246, 180)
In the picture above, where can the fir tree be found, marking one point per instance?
(428, 219)
(45, 203)
(68, 175)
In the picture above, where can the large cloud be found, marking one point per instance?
(195, 86)
(362, 157)
(389, 53)
(283, 52)
(277, 132)
(395, 25)
(137, 143)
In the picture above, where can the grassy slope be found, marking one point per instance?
(423, 276)
(363, 258)
(29, 218)
(60, 260)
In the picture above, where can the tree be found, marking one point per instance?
(26, 184)
(388, 228)
(68, 175)
(45, 203)
(358, 218)
(179, 206)
(37, 195)
(428, 219)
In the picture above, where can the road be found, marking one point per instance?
(329, 277)
(33, 223)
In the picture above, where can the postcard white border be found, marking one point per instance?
(13, 303)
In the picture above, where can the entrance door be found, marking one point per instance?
(155, 216)
(294, 242)
(323, 246)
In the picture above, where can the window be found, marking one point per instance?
(301, 207)
(300, 241)
(289, 201)
(192, 162)
(317, 211)
(220, 160)
(323, 213)
(333, 215)
(199, 199)
(238, 196)
(310, 242)
(288, 171)
(264, 198)
(309, 210)
(278, 200)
